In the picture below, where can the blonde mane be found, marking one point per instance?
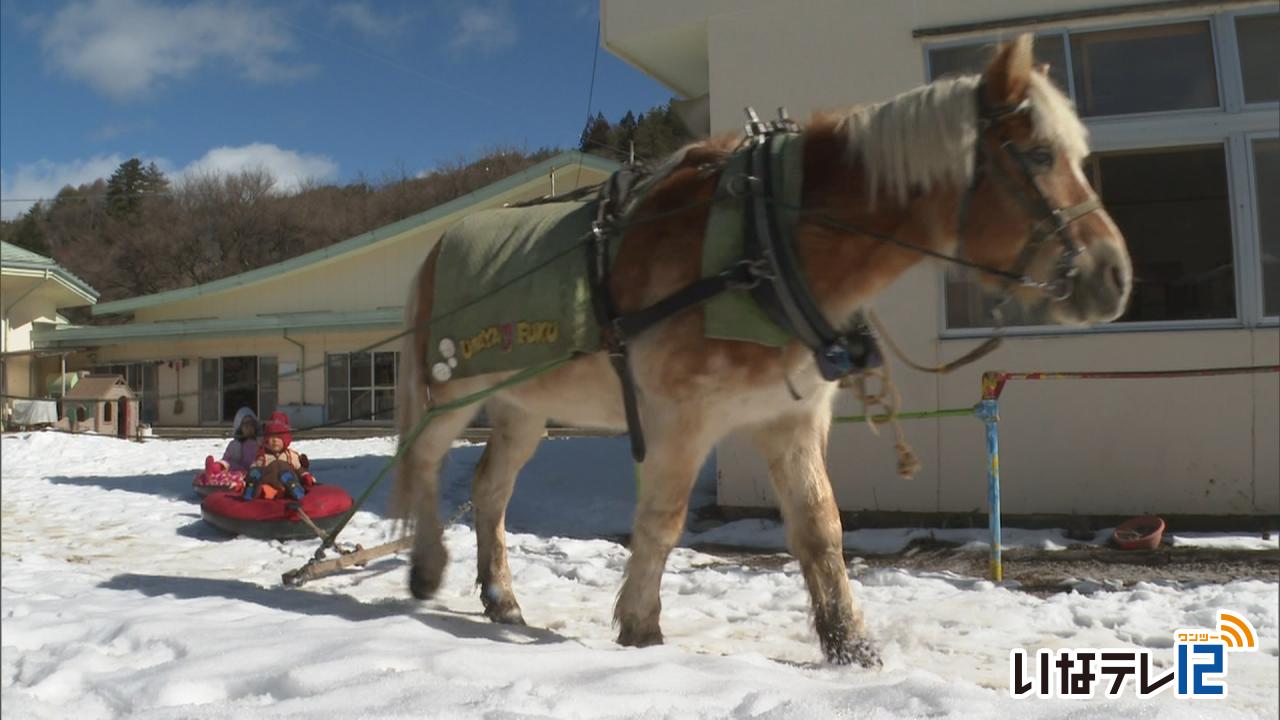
(924, 138)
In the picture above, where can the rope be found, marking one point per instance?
(320, 533)
(986, 348)
(890, 399)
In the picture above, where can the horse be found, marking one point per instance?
(979, 170)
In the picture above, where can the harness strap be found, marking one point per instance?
(613, 196)
(740, 276)
(786, 298)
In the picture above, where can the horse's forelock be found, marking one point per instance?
(1054, 120)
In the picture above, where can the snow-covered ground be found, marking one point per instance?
(118, 601)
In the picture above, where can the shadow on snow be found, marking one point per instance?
(463, 626)
(572, 487)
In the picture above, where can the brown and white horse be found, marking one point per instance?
(903, 169)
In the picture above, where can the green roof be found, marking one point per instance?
(364, 240)
(31, 263)
(47, 336)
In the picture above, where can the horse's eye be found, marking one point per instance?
(1040, 157)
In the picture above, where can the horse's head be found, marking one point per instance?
(1029, 211)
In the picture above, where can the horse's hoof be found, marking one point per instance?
(630, 638)
(500, 607)
(509, 615)
(859, 650)
(422, 587)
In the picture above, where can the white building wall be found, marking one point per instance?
(1180, 445)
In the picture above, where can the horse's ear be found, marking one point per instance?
(1009, 73)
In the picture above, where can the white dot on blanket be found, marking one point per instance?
(441, 372)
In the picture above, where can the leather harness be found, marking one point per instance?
(770, 271)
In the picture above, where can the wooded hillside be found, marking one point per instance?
(140, 232)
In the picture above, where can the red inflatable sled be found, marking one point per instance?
(275, 519)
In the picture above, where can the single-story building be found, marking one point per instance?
(1181, 100)
(33, 288)
(305, 335)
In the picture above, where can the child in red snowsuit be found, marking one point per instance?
(278, 468)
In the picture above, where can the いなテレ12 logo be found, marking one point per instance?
(1199, 672)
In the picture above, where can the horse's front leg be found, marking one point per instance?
(676, 449)
(795, 448)
(513, 440)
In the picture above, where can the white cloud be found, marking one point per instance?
(290, 168)
(44, 178)
(482, 29)
(365, 20)
(123, 48)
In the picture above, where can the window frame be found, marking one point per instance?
(1228, 35)
(1233, 123)
(373, 387)
(1249, 214)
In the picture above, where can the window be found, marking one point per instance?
(268, 382)
(970, 58)
(338, 392)
(106, 411)
(1259, 56)
(1179, 163)
(210, 390)
(1173, 208)
(1150, 69)
(361, 387)
(1266, 171)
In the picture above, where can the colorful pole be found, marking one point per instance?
(988, 411)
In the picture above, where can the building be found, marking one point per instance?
(307, 336)
(33, 288)
(1181, 102)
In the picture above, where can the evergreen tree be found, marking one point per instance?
(621, 135)
(25, 232)
(130, 183)
(595, 137)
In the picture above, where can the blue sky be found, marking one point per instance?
(307, 89)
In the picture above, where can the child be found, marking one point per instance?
(243, 448)
(278, 468)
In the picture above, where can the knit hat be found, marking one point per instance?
(278, 425)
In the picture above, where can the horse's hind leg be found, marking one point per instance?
(795, 447)
(421, 462)
(676, 450)
(516, 434)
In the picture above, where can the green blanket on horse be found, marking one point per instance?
(511, 286)
(511, 290)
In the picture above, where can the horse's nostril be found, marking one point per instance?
(1117, 278)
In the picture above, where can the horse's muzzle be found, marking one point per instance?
(1100, 290)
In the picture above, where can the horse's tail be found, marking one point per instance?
(410, 404)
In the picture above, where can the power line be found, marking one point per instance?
(591, 91)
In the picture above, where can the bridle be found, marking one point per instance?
(1049, 222)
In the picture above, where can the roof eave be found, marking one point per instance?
(66, 279)
(53, 337)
